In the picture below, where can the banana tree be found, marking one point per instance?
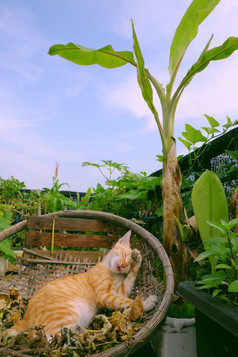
(168, 97)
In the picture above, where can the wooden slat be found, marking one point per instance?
(37, 253)
(43, 261)
(92, 255)
(67, 224)
(69, 240)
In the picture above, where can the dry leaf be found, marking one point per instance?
(137, 309)
(15, 317)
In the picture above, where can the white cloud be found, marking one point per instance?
(151, 23)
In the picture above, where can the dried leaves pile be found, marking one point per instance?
(105, 332)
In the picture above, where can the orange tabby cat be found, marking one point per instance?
(75, 299)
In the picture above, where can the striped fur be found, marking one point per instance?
(74, 300)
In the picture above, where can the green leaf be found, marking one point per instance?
(218, 277)
(204, 255)
(86, 163)
(6, 248)
(160, 158)
(233, 287)
(4, 223)
(187, 31)
(86, 198)
(142, 78)
(134, 195)
(228, 125)
(159, 212)
(216, 292)
(209, 204)
(193, 135)
(234, 242)
(105, 57)
(231, 224)
(186, 143)
(213, 123)
(210, 131)
(215, 54)
(216, 240)
(179, 226)
(223, 266)
(233, 154)
(218, 226)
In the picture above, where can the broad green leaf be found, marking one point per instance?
(215, 54)
(209, 204)
(193, 135)
(105, 57)
(213, 122)
(4, 223)
(187, 30)
(6, 248)
(233, 287)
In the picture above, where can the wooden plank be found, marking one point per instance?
(64, 262)
(69, 240)
(67, 224)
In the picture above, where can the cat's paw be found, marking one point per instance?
(136, 257)
(150, 303)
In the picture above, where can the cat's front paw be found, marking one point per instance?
(136, 257)
(150, 303)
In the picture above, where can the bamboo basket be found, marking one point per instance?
(91, 234)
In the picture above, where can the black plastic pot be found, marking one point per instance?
(216, 323)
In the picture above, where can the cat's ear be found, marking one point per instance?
(125, 240)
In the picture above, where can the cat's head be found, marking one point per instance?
(120, 255)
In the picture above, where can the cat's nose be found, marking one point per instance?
(123, 265)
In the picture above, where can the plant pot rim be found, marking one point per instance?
(216, 309)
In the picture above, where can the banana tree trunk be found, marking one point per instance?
(172, 207)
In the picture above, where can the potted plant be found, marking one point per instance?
(216, 308)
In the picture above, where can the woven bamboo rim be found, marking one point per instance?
(144, 334)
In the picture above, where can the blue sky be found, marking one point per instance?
(52, 110)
